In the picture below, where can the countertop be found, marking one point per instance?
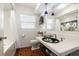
(62, 48)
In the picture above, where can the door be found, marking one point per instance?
(1, 30)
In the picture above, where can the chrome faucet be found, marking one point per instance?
(55, 36)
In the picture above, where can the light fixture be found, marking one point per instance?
(46, 12)
(52, 14)
(61, 6)
(46, 3)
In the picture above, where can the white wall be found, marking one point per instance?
(57, 25)
(67, 35)
(46, 19)
(29, 34)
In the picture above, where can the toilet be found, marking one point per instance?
(35, 44)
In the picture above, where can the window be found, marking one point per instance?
(27, 22)
(49, 24)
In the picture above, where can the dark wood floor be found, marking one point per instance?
(28, 52)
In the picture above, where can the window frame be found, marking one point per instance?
(28, 22)
(49, 23)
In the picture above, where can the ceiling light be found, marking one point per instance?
(61, 6)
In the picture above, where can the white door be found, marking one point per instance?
(1, 30)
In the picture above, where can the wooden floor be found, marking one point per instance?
(28, 52)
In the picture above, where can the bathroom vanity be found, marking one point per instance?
(62, 48)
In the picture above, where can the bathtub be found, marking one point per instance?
(9, 50)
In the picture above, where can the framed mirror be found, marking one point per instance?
(69, 21)
(69, 26)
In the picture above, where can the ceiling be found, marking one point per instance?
(50, 8)
(27, 5)
(43, 7)
(39, 8)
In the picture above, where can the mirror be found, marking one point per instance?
(69, 26)
(69, 21)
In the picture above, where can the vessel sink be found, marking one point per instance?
(50, 40)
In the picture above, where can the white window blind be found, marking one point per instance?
(49, 24)
(27, 22)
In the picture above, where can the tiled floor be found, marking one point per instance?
(28, 52)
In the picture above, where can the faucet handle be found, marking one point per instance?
(62, 38)
(55, 35)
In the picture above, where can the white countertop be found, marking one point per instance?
(61, 48)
